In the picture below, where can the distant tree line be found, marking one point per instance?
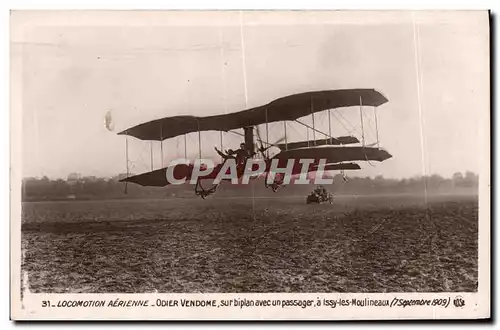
(459, 182)
(77, 187)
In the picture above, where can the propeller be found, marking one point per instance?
(262, 149)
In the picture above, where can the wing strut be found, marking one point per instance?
(151, 144)
(161, 145)
(330, 125)
(312, 114)
(185, 147)
(376, 126)
(199, 139)
(286, 141)
(221, 145)
(361, 115)
(267, 135)
(126, 160)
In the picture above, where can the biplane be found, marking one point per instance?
(336, 152)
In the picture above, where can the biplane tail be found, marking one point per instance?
(158, 178)
(341, 167)
(341, 140)
(335, 154)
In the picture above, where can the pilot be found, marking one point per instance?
(242, 154)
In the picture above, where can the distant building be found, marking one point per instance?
(90, 178)
(73, 178)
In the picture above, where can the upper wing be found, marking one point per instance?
(286, 108)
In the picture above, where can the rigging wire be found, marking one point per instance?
(243, 59)
(369, 122)
(349, 130)
(224, 86)
(140, 162)
(418, 65)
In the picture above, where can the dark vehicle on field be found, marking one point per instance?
(319, 195)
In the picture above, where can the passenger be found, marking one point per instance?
(229, 153)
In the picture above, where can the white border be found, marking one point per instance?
(215, 5)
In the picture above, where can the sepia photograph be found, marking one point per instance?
(311, 154)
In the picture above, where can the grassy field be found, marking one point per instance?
(357, 244)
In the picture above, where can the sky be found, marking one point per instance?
(76, 67)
